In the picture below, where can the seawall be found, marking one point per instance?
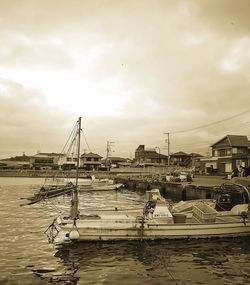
(174, 190)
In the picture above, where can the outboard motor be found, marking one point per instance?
(224, 202)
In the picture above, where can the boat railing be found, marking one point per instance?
(245, 189)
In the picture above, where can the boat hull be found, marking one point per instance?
(109, 187)
(130, 230)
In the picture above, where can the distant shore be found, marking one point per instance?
(198, 179)
(49, 173)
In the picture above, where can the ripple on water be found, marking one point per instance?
(27, 258)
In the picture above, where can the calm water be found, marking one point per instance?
(27, 258)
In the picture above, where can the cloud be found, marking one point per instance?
(27, 123)
(227, 17)
(20, 51)
(152, 67)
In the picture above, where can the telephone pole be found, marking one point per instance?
(109, 145)
(159, 154)
(168, 144)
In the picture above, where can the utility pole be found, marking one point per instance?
(159, 154)
(168, 143)
(109, 149)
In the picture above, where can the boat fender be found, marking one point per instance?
(244, 216)
(74, 234)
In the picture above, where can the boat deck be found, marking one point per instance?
(136, 216)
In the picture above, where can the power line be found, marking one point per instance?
(213, 123)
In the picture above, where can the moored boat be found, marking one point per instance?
(84, 184)
(155, 221)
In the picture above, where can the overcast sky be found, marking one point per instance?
(133, 70)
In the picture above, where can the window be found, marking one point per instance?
(240, 162)
(234, 150)
(222, 152)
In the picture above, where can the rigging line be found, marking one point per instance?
(50, 203)
(73, 139)
(86, 140)
(70, 136)
(213, 123)
(61, 153)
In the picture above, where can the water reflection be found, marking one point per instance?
(175, 262)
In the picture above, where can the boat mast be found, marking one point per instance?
(74, 202)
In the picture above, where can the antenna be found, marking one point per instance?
(109, 150)
(168, 144)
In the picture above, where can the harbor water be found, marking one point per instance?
(26, 257)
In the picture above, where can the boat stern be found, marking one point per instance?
(56, 233)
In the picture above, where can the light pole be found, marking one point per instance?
(159, 153)
(108, 162)
(168, 142)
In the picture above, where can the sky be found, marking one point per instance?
(133, 70)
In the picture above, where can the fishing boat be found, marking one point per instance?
(84, 184)
(58, 186)
(94, 184)
(154, 221)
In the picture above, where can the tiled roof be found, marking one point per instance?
(153, 154)
(193, 154)
(238, 140)
(234, 140)
(180, 153)
(49, 154)
(91, 154)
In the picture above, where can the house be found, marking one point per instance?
(228, 153)
(181, 159)
(90, 161)
(44, 160)
(17, 162)
(116, 162)
(149, 156)
(69, 162)
(208, 165)
(231, 151)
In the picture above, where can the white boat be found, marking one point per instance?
(84, 184)
(94, 184)
(154, 221)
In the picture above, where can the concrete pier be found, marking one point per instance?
(176, 190)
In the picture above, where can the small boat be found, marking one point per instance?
(84, 184)
(94, 184)
(154, 221)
